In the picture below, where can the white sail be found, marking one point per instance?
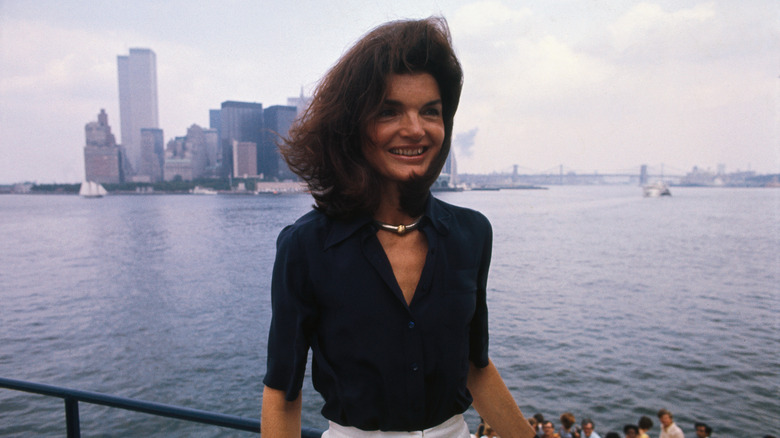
(91, 189)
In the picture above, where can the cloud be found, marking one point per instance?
(652, 85)
(590, 85)
(648, 25)
(516, 76)
(464, 141)
(487, 17)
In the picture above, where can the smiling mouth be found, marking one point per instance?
(408, 152)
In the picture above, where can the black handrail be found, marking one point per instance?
(73, 396)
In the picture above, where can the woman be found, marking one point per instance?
(383, 282)
(568, 429)
(644, 425)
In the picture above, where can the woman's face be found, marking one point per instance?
(407, 134)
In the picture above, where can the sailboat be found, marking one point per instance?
(91, 189)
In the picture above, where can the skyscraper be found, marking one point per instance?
(239, 122)
(150, 168)
(244, 159)
(277, 121)
(137, 74)
(103, 158)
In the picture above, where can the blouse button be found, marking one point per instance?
(414, 367)
(411, 324)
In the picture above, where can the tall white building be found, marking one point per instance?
(137, 100)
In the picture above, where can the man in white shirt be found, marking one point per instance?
(587, 429)
(668, 428)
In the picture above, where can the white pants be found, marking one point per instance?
(455, 427)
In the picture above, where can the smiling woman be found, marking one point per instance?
(384, 283)
(326, 147)
(407, 134)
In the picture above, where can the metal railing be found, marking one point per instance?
(72, 397)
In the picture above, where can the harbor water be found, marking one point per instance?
(602, 303)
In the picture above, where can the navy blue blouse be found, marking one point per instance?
(379, 363)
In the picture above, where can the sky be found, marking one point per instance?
(595, 86)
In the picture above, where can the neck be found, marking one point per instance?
(389, 210)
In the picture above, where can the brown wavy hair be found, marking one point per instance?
(324, 147)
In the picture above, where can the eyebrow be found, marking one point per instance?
(399, 103)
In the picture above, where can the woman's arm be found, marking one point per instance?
(280, 418)
(495, 404)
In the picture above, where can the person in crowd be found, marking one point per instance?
(645, 424)
(702, 430)
(485, 431)
(539, 423)
(568, 426)
(384, 283)
(630, 431)
(588, 429)
(612, 434)
(532, 422)
(480, 427)
(668, 428)
(548, 430)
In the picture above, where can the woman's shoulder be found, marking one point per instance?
(305, 227)
(458, 215)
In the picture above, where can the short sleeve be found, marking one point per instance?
(478, 335)
(293, 316)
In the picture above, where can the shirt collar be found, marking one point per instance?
(438, 214)
(435, 212)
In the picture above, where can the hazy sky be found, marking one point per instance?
(591, 85)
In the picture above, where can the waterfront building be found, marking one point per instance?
(197, 146)
(150, 168)
(137, 74)
(187, 157)
(215, 123)
(103, 158)
(240, 122)
(213, 159)
(277, 122)
(244, 159)
(450, 169)
(215, 119)
(178, 160)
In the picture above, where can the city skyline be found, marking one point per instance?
(595, 87)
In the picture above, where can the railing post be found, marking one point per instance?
(72, 417)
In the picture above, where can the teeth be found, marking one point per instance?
(408, 152)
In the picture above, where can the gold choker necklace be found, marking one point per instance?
(400, 229)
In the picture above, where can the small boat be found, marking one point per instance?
(656, 189)
(198, 190)
(91, 189)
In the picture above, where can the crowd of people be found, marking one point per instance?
(568, 428)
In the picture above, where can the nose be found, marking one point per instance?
(412, 127)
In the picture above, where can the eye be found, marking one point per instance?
(386, 113)
(432, 111)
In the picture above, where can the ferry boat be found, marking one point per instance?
(656, 189)
(198, 190)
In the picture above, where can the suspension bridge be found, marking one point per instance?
(562, 175)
